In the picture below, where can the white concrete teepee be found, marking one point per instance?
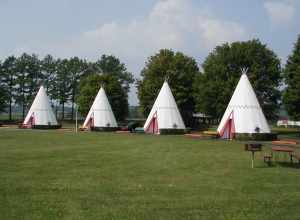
(40, 112)
(164, 113)
(100, 114)
(243, 114)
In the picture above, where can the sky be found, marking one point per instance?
(133, 30)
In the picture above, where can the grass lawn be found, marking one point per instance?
(63, 175)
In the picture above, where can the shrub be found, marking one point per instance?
(172, 131)
(256, 136)
(46, 126)
(103, 129)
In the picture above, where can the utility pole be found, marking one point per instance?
(76, 118)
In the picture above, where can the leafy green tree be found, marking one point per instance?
(62, 84)
(34, 78)
(111, 65)
(48, 72)
(3, 90)
(291, 96)
(112, 71)
(49, 69)
(222, 70)
(28, 79)
(180, 70)
(9, 81)
(3, 98)
(77, 69)
(89, 88)
(21, 77)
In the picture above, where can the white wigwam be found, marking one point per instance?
(100, 114)
(40, 112)
(243, 114)
(164, 113)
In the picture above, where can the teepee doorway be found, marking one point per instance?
(153, 126)
(228, 130)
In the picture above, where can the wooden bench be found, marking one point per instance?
(284, 142)
(283, 149)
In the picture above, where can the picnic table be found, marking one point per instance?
(284, 149)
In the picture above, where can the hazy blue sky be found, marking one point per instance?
(134, 29)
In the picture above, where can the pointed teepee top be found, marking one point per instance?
(41, 100)
(101, 101)
(165, 98)
(244, 71)
(166, 94)
(244, 94)
(166, 78)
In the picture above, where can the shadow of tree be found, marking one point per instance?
(287, 164)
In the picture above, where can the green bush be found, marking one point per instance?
(256, 136)
(46, 126)
(139, 130)
(283, 130)
(172, 131)
(103, 129)
(188, 130)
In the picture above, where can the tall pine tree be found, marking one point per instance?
(3, 90)
(291, 96)
(9, 77)
(28, 79)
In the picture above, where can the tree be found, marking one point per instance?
(291, 96)
(77, 69)
(62, 84)
(48, 72)
(34, 77)
(49, 68)
(3, 90)
(20, 78)
(28, 79)
(89, 88)
(180, 70)
(111, 66)
(222, 70)
(9, 81)
(3, 98)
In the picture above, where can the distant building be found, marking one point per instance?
(288, 123)
(284, 119)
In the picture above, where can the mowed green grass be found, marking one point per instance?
(63, 175)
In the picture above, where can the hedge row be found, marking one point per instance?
(256, 136)
(46, 126)
(104, 128)
(172, 131)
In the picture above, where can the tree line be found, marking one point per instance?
(20, 78)
(209, 90)
(206, 90)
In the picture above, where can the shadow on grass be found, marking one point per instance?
(266, 166)
(288, 164)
